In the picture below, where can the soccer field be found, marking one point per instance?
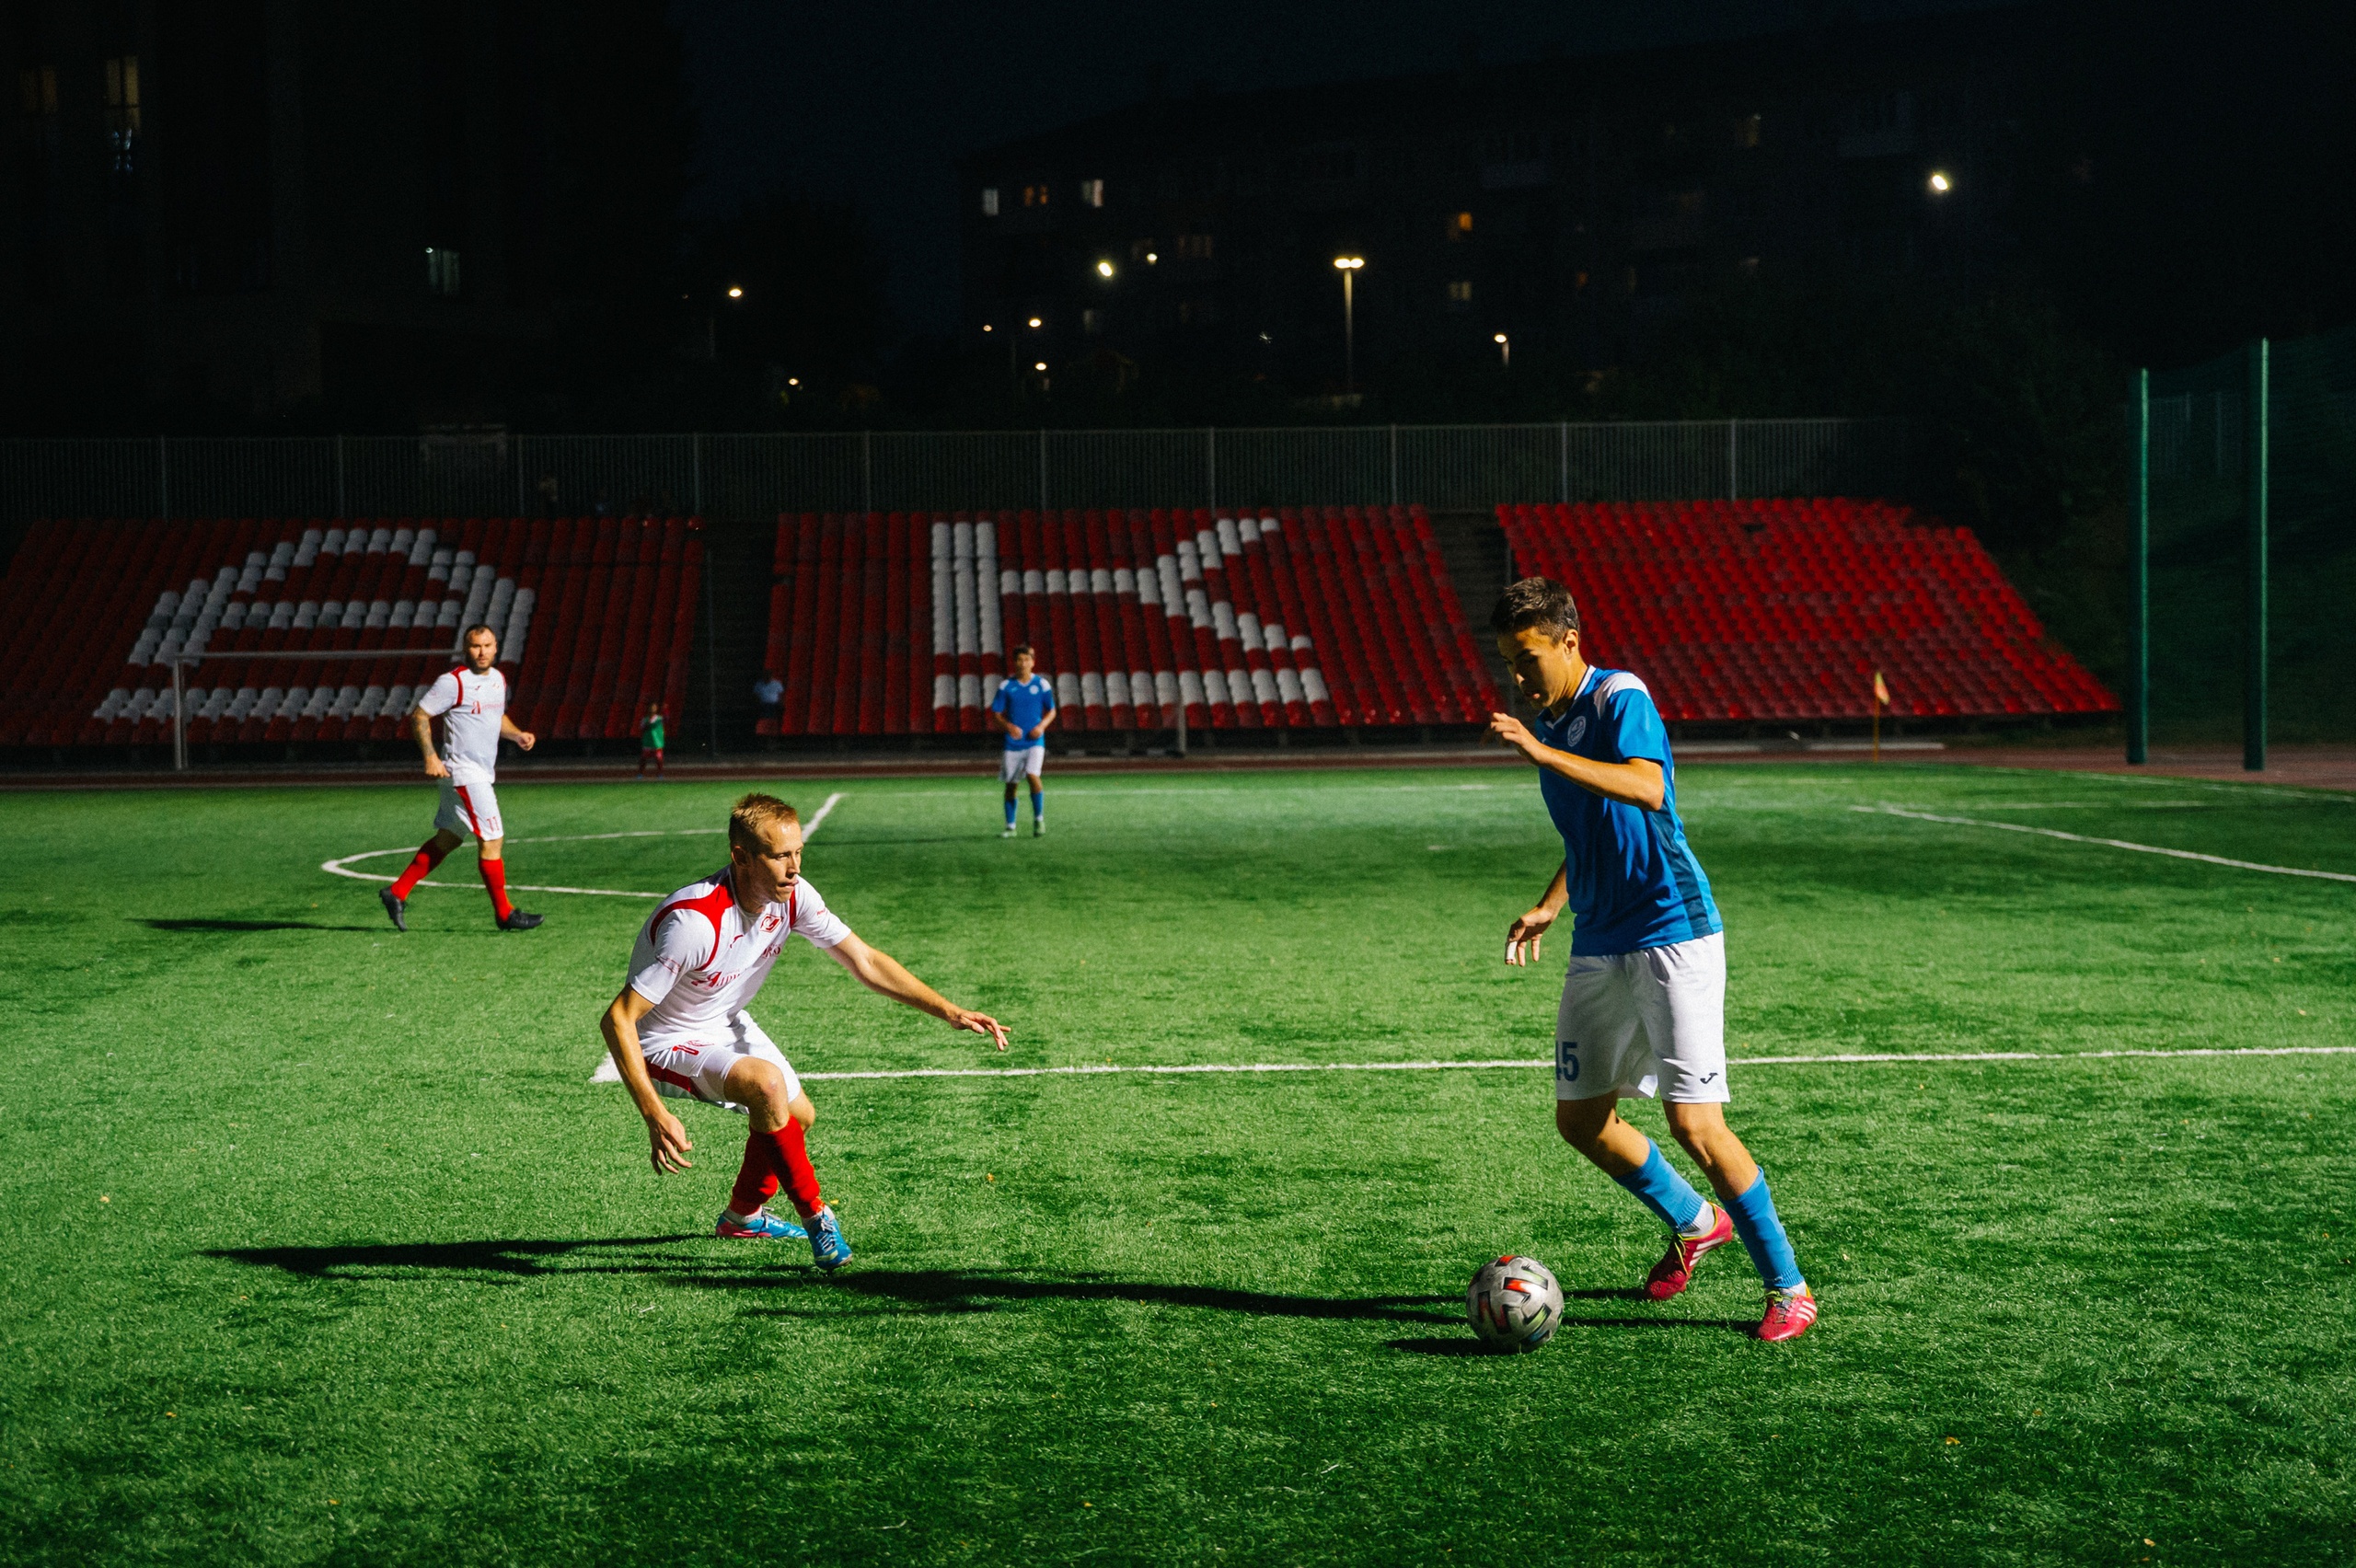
(321, 1247)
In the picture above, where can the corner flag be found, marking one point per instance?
(1881, 700)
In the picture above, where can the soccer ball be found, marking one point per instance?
(1515, 1303)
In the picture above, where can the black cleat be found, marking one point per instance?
(394, 906)
(520, 920)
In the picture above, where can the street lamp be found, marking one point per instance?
(1940, 183)
(1349, 266)
(735, 293)
(1504, 350)
(1103, 268)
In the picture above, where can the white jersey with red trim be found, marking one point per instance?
(700, 960)
(470, 707)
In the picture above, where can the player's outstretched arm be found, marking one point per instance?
(1636, 782)
(886, 976)
(1528, 932)
(667, 1139)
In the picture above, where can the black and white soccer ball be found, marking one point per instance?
(1515, 1303)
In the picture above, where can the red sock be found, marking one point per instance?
(428, 857)
(757, 1180)
(790, 1157)
(494, 877)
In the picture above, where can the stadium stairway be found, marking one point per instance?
(1785, 609)
(1272, 618)
(593, 617)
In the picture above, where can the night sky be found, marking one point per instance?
(877, 101)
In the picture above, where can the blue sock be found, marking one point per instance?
(1762, 1237)
(1038, 806)
(1010, 811)
(1658, 1186)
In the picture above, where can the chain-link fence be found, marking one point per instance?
(2248, 464)
(494, 473)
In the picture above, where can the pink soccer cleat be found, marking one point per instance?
(1789, 1312)
(1675, 1270)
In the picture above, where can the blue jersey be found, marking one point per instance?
(1024, 703)
(1633, 880)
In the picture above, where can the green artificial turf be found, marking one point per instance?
(318, 1245)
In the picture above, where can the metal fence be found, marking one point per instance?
(755, 476)
(2243, 553)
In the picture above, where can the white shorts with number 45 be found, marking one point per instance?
(1649, 1022)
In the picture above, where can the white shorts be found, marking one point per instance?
(695, 1067)
(1644, 1022)
(470, 809)
(1028, 760)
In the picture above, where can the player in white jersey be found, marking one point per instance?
(679, 1027)
(471, 702)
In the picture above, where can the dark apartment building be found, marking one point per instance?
(386, 207)
(1557, 208)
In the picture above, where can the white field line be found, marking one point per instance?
(607, 1073)
(340, 867)
(2110, 843)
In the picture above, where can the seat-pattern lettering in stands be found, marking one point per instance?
(593, 617)
(1258, 618)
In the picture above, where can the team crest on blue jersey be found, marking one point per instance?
(1578, 728)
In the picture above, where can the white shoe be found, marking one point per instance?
(1009, 833)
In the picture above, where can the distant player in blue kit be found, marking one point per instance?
(1643, 1005)
(1025, 707)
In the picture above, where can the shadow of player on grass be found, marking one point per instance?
(806, 1292)
(231, 927)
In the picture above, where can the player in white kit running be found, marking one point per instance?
(471, 702)
(679, 1027)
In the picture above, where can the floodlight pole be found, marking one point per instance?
(179, 716)
(2253, 571)
(1350, 336)
(2139, 643)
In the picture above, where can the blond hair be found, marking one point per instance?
(754, 812)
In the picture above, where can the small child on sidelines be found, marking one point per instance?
(650, 740)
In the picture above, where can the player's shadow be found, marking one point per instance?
(512, 1257)
(801, 1289)
(1460, 1345)
(989, 1290)
(217, 926)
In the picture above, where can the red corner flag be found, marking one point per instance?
(1882, 691)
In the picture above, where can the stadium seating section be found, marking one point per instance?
(897, 623)
(1784, 609)
(593, 617)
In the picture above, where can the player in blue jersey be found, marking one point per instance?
(1643, 1004)
(1025, 707)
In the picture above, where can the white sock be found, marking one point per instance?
(1703, 1223)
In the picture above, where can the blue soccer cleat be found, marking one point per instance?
(827, 1247)
(762, 1227)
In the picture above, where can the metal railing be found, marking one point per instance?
(480, 473)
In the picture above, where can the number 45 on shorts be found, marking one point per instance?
(1567, 1061)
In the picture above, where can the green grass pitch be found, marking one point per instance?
(318, 1247)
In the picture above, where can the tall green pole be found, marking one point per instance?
(2254, 572)
(2139, 653)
